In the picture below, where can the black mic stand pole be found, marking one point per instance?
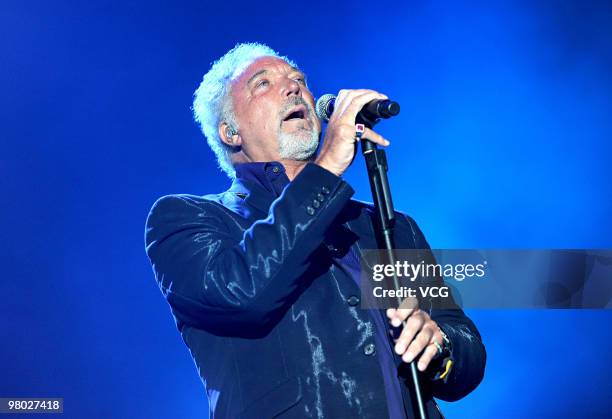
(376, 163)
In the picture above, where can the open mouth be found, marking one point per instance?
(296, 114)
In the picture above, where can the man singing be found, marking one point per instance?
(263, 279)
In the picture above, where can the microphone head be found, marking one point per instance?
(393, 109)
(322, 107)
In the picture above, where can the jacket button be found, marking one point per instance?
(316, 204)
(325, 190)
(320, 197)
(353, 300)
(332, 249)
(369, 349)
(310, 210)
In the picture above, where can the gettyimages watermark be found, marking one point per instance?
(490, 278)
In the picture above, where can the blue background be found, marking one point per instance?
(503, 141)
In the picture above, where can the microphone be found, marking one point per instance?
(371, 112)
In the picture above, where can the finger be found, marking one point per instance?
(390, 313)
(344, 97)
(347, 95)
(437, 336)
(418, 345)
(373, 136)
(397, 316)
(410, 303)
(358, 102)
(353, 101)
(340, 98)
(430, 353)
(351, 92)
(412, 327)
(396, 321)
(407, 307)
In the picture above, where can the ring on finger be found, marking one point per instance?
(359, 130)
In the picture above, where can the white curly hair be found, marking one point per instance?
(212, 103)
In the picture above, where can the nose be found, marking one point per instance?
(291, 88)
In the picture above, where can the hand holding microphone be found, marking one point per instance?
(371, 112)
(340, 141)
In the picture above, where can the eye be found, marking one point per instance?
(262, 83)
(300, 80)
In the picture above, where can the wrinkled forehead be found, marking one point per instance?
(248, 69)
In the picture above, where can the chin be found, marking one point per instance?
(299, 145)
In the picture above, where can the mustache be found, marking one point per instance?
(294, 101)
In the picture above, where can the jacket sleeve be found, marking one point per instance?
(468, 352)
(232, 285)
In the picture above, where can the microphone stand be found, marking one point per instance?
(376, 163)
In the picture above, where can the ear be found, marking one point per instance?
(229, 135)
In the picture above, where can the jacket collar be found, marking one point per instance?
(251, 186)
(251, 195)
(258, 184)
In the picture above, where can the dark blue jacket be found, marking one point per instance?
(272, 330)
